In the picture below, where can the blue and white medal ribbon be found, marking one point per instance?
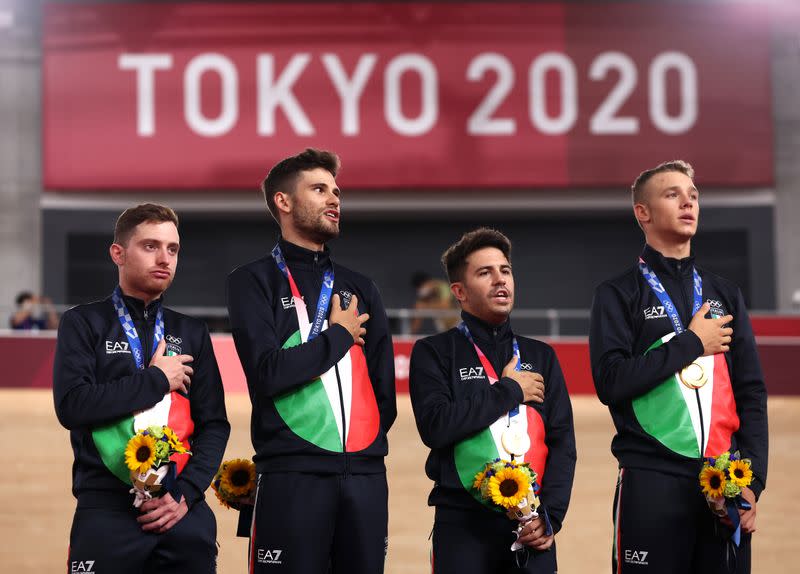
(130, 329)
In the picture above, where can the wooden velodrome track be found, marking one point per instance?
(36, 505)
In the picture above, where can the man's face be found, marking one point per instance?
(487, 290)
(148, 262)
(315, 205)
(671, 207)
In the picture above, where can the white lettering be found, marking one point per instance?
(192, 84)
(481, 121)
(429, 111)
(278, 94)
(349, 90)
(145, 66)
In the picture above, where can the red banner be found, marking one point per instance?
(208, 96)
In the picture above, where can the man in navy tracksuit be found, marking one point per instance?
(123, 364)
(465, 413)
(674, 358)
(313, 340)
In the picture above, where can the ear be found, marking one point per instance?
(283, 202)
(642, 213)
(458, 291)
(117, 253)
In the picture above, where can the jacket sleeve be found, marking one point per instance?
(618, 374)
(380, 359)
(750, 394)
(81, 401)
(272, 370)
(442, 420)
(211, 427)
(560, 440)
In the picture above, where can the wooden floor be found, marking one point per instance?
(36, 505)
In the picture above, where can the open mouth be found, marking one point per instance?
(332, 214)
(501, 296)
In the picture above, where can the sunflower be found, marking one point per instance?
(508, 487)
(238, 477)
(740, 473)
(713, 481)
(140, 453)
(174, 442)
(476, 484)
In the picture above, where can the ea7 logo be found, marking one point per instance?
(85, 566)
(470, 373)
(114, 347)
(655, 312)
(638, 557)
(287, 302)
(269, 556)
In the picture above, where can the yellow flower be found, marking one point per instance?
(740, 473)
(174, 442)
(713, 481)
(220, 497)
(238, 477)
(140, 454)
(508, 487)
(476, 484)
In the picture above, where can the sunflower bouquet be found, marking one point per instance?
(235, 483)
(722, 480)
(511, 487)
(147, 456)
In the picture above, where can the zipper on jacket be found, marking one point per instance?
(344, 421)
(702, 425)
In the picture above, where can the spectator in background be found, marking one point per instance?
(433, 293)
(33, 313)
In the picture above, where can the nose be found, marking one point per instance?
(333, 200)
(163, 257)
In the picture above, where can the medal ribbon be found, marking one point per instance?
(487, 366)
(324, 294)
(130, 329)
(652, 279)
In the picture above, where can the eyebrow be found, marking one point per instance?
(152, 240)
(678, 188)
(503, 266)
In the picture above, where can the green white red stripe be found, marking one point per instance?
(110, 440)
(472, 453)
(314, 412)
(691, 422)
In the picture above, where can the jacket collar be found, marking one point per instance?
(297, 256)
(482, 331)
(667, 265)
(136, 306)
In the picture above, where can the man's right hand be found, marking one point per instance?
(349, 319)
(532, 384)
(715, 337)
(177, 372)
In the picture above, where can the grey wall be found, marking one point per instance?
(786, 111)
(20, 152)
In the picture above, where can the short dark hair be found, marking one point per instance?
(637, 189)
(22, 297)
(454, 259)
(144, 213)
(283, 175)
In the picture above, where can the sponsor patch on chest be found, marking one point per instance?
(118, 347)
(471, 373)
(655, 312)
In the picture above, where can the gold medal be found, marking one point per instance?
(515, 441)
(694, 376)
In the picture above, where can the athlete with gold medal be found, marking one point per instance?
(677, 394)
